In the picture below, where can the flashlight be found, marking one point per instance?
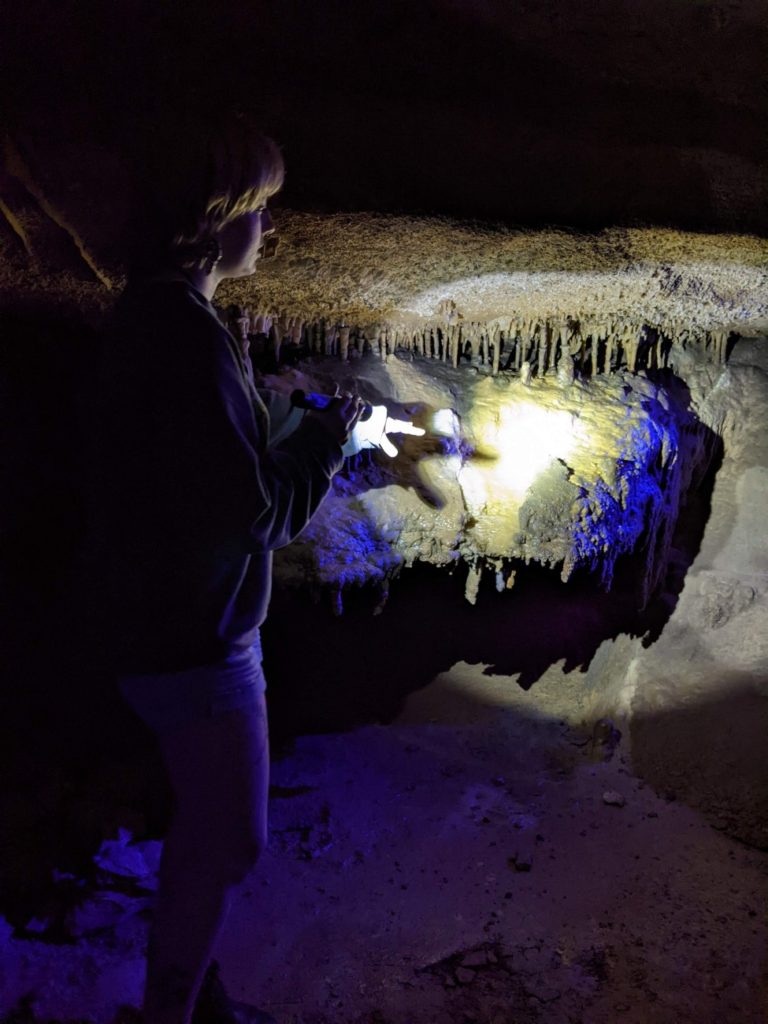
(311, 400)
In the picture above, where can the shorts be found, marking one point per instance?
(167, 701)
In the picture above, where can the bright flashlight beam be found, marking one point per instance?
(525, 439)
(528, 438)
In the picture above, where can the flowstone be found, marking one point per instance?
(570, 475)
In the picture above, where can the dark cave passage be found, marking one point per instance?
(329, 672)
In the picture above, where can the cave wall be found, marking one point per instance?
(582, 115)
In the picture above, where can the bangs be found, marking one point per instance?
(247, 168)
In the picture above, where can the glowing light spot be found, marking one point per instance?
(526, 438)
(529, 438)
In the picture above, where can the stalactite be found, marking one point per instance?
(598, 347)
(275, 340)
(331, 341)
(553, 332)
(344, 343)
(631, 349)
(445, 343)
(609, 343)
(533, 355)
(719, 344)
(543, 349)
(575, 340)
(565, 374)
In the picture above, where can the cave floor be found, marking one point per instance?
(461, 864)
(448, 844)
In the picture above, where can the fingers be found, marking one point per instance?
(402, 427)
(387, 447)
(350, 407)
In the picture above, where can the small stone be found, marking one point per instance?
(521, 860)
(475, 959)
(101, 911)
(38, 925)
(464, 976)
(544, 993)
(613, 798)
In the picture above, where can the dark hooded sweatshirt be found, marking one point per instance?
(198, 479)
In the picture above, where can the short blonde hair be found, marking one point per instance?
(201, 178)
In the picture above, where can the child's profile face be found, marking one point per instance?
(240, 242)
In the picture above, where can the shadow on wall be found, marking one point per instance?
(360, 666)
(712, 756)
(76, 763)
(328, 673)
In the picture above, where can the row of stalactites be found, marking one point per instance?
(597, 346)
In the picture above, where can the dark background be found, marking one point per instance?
(577, 112)
(581, 113)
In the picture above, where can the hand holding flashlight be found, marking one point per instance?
(371, 429)
(372, 432)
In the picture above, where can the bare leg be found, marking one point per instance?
(219, 770)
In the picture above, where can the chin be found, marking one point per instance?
(246, 271)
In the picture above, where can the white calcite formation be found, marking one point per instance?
(621, 299)
(568, 475)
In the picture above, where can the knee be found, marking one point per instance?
(239, 858)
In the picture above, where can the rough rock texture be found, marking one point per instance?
(411, 274)
(697, 696)
(483, 856)
(568, 475)
(461, 863)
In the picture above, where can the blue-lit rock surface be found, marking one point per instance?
(568, 475)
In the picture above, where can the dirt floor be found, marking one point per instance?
(456, 836)
(477, 859)
(471, 861)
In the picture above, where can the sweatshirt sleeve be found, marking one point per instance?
(266, 493)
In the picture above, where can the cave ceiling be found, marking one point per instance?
(570, 149)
